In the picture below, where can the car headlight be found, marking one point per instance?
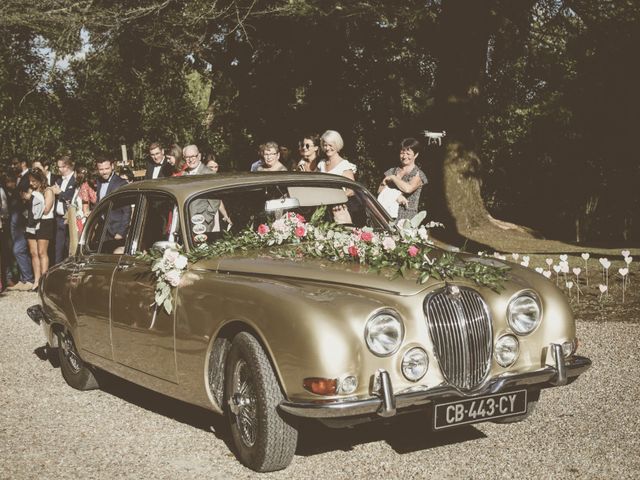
(524, 312)
(383, 333)
(415, 364)
(506, 350)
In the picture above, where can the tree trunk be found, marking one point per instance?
(455, 169)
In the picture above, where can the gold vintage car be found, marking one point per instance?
(276, 317)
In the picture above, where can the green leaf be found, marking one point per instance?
(418, 218)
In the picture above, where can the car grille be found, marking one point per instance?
(460, 329)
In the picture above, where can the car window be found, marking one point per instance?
(160, 222)
(212, 214)
(111, 227)
(93, 231)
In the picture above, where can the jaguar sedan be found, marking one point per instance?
(269, 298)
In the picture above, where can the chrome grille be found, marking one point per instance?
(460, 329)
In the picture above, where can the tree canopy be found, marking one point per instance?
(538, 98)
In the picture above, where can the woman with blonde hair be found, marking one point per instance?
(332, 143)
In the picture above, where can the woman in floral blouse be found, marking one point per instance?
(407, 178)
(86, 190)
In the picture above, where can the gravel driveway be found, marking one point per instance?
(590, 429)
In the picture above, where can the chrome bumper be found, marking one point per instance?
(386, 403)
(36, 314)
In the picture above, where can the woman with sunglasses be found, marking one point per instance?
(309, 149)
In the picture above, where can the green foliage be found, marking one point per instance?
(552, 95)
(406, 252)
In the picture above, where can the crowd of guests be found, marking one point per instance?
(42, 213)
(399, 191)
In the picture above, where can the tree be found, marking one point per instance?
(521, 88)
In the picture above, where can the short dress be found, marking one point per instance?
(411, 209)
(47, 226)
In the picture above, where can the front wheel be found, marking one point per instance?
(264, 440)
(76, 373)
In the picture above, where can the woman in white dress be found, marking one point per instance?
(331, 142)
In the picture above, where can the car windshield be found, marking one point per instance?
(212, 214)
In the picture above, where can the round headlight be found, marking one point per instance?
(383, 333)
(524, 313)
(415, 364)
(507, 349)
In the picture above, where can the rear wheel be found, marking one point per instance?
(74, 370)
(264, 440)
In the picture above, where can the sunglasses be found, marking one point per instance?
(306, 146)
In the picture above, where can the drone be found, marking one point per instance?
(434, 137)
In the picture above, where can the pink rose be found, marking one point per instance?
(263, 229)
(300, 218)
(412, 251)
(300, 232)
(366, 236)
(353, 251)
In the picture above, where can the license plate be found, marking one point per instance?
(479, 409)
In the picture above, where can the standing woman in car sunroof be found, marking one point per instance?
(309, 149)
(332, 144)
(407, 178)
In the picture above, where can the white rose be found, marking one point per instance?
(173, 277)
(388, 243)
(181, 262)
(170, 256)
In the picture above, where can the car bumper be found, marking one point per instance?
(36, 313)
(386, 402)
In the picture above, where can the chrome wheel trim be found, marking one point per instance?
(70, 354)
(243, 403)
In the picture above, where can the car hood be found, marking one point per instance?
(315, 270)
(266, 264)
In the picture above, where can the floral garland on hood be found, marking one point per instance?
(407, 249)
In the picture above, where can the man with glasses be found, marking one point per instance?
(270, 161)
(193, 159)
(204, 213)
(158, 166)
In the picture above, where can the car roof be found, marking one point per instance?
(188, 185)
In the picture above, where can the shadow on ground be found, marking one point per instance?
(404, 433)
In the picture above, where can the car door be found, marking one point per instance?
(104, 240)
(143, 334)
